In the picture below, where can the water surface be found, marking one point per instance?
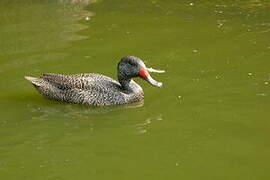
(209, 121)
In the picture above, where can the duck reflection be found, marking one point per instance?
(73, 111)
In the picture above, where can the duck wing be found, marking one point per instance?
(80, 81)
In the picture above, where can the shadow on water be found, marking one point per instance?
(74, 111)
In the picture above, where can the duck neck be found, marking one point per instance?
(124, 81)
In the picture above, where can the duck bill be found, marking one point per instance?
(153, 82)
(144, 73)
(155, 70)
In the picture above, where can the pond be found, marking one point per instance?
(210, 120)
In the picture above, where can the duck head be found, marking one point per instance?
(130, 67)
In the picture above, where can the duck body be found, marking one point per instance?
(97, 89)
(89, 89)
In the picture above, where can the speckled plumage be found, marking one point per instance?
(93, 89)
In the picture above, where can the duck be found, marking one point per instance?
(97, 89)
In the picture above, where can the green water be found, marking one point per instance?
(209, 121)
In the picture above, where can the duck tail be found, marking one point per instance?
(33, 80)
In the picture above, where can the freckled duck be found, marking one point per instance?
(97, 89)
